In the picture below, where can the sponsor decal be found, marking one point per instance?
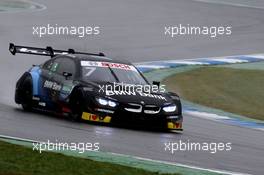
(35, 98)
(95, 118)
(104, 110)
(33, 51)
(152, 91)
(108, 64)
(156, 96)
(172, 125)
(152, 96)
(42, 104)
(52, 85)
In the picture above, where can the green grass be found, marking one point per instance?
(248, 66)
(19, 160)
(238, 91)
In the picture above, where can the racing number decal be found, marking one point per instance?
(90, 70)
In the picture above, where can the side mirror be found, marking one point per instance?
(157, 83)
(67, 75)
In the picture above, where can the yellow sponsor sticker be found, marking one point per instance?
(107, 119)
(172, 125)
(95, 118)
(86, 116)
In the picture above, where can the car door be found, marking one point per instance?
(47, 71)
(63, 79)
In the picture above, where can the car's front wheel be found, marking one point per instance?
(26, 93)
(77, 106)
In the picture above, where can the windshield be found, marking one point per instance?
(111, 72)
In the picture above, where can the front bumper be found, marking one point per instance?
(127, 118)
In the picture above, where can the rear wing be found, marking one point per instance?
(48, 51)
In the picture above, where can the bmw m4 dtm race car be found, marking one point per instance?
(87, 86)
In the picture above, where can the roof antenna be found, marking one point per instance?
(101, 54)
(50, 50)
(71, 51)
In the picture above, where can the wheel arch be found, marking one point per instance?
(76, 90)
(19, 85)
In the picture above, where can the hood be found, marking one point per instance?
(130, 95)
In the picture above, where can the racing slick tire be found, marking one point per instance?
(77, 105)
(26, 93)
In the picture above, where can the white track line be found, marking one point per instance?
(226, 59)
(230, 60)
(229, 3)
(206, 115)
(144, 159)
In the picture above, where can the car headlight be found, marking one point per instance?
(170, 108)
(102, 101)
(106, 102)
(112, 103)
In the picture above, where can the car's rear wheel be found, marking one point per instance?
(77, 106)
(26, 93)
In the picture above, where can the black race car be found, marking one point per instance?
(87, 86)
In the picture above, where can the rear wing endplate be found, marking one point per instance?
(48, 51)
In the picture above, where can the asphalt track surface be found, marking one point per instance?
(135, 30)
